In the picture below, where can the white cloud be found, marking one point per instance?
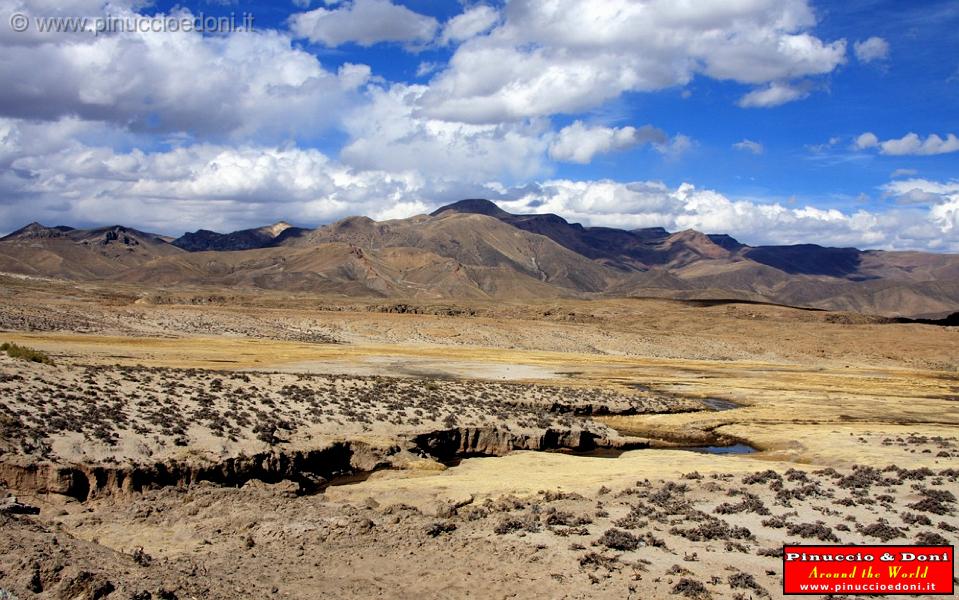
(653, 204)
(866, 140)
(480, 127)
(775, 94)
(47, 175)
(903, 173)
(222, 86)
(676, 146)
(824, 147)
(204, 185)
(469, 24)
(749, 146)
(564, 56)
(921, 191)
(909, 144)
(872, 49)
(937, 188)
(364, 22)
(913, 144)
(579, 143)
(946, 215)
(943, 198)
(427, 68)
(390, 134)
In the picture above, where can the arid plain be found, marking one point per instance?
(218, 443)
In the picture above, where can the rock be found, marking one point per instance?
(85, 586)
(12, 506)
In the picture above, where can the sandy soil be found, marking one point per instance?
(207, 445)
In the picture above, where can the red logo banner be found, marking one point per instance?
(887, 570)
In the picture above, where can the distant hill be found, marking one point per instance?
(474, 249)
(246, 239)
(80, 253)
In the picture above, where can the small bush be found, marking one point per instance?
(438, 528)
(882, 530)
(508, 525)
(931, 538)
(24, 353)
(617, 539)
(818, 531)
(690, 588)
(744, 580)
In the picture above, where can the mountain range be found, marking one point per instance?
(473, 249)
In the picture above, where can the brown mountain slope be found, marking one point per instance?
(476, 241)
(79, 253)
(639, 249)
(474, 250)
(246, 239)
(691, 264)
(345, 269)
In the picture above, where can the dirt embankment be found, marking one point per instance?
(311, 470)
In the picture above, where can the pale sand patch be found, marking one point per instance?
(409, 366)
(843, 445)
(526, 473)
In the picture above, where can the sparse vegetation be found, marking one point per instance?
(24, 353)
(617, 539)
(614, 533)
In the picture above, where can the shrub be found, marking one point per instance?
(882, 530)
(742, 580)
(24, 353)
(439, 528)
(690, 588)
(617, 539)
(818, 531)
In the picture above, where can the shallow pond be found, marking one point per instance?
(734, 449)
(719, 404)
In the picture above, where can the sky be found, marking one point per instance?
(775, 121)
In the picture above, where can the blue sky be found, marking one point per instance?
(778, 122)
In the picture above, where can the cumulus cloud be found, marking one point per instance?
(920, 191)
(654, 204)
(946, 215)
(237, 85)
(47, 175)
(749, 146)
(865, 141)
(203, 185)
(472, 22)
(872, 49)
(427, 68)
(936, 188)
(579, 143)
(909, 144)
(913, 144)
(564, 56)
(942, 198)
(364, 22)
(391, 134)
(676, 146)
(775, 94)
(175, 150)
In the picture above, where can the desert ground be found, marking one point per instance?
(220, 443)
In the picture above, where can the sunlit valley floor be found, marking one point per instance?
(208, 443)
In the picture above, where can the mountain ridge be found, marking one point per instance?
(244, 239)
(475, 249)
